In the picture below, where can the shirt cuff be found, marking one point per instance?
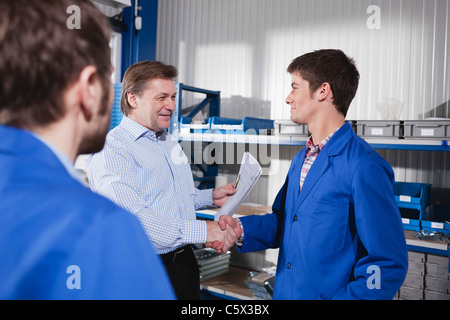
(203, 198)
(240, 241)
(194, 231)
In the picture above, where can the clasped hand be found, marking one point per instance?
(222, 235)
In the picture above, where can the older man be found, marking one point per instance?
(144, 169)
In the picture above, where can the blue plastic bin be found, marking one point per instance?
(437, 219)
(411, 218)
(247, 125)
(412, 195)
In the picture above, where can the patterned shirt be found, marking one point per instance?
(311, 154)
(149, 175)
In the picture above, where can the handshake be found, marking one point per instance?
(222, 234)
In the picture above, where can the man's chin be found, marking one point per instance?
(92, 145)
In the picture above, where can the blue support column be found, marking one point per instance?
(139, 45)
(128, 37)
(146, 49)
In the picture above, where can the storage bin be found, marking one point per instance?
(437, 219)
(437, 285)
(416, 256)
(410, 218)
(185, 123)
(406, 293)
(287, 127)
(430, 295)
(426, 129)
(412, 195)
(416, 268)
(414, 281)
(437, 259)
(379, 128)
(248, 125)
(437, 271)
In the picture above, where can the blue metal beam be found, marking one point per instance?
(139, 45)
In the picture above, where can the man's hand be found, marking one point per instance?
(219, 239)
(225, 221)
(220, 195)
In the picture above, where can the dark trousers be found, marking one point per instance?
(183, 272)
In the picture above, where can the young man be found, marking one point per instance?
(143, 169)
(335, 219)
(58, 239)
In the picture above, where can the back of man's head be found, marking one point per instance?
(44, 47)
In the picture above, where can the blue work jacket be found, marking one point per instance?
(59, 240)
(341, 237)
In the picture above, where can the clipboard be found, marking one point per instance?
(249, 173)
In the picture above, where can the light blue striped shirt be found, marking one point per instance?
(150, 176)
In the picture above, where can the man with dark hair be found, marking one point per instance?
(144, 169)
(335, 220)
(58, 239)
(333, 67)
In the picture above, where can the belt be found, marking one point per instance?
(171, 256)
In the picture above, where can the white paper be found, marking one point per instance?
(249, 173)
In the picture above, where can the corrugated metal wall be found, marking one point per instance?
(242, 48)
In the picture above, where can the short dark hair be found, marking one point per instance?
(40, 57)
(138, 76)
(332, 66)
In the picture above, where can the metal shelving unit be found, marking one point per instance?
(376, 143)
(212, 101)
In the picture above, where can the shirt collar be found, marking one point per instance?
(310, 145)
(65, 161)
(137, 130)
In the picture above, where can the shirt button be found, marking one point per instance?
(288, 265)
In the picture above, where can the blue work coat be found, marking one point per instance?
(59, 240)
(341, 237)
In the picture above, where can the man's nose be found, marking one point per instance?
(289, 99)
(171, 104)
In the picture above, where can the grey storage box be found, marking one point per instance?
(379, 128)
(287, 127)
(427, 129)
(437, 271)
(406, 293)
(414, 281)
(416, 268)
(430, 295)
(416, 256)
(437, 285)
(436, 259)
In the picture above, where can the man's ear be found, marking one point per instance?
(324, 91)
(132, 99)
(89, 89)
